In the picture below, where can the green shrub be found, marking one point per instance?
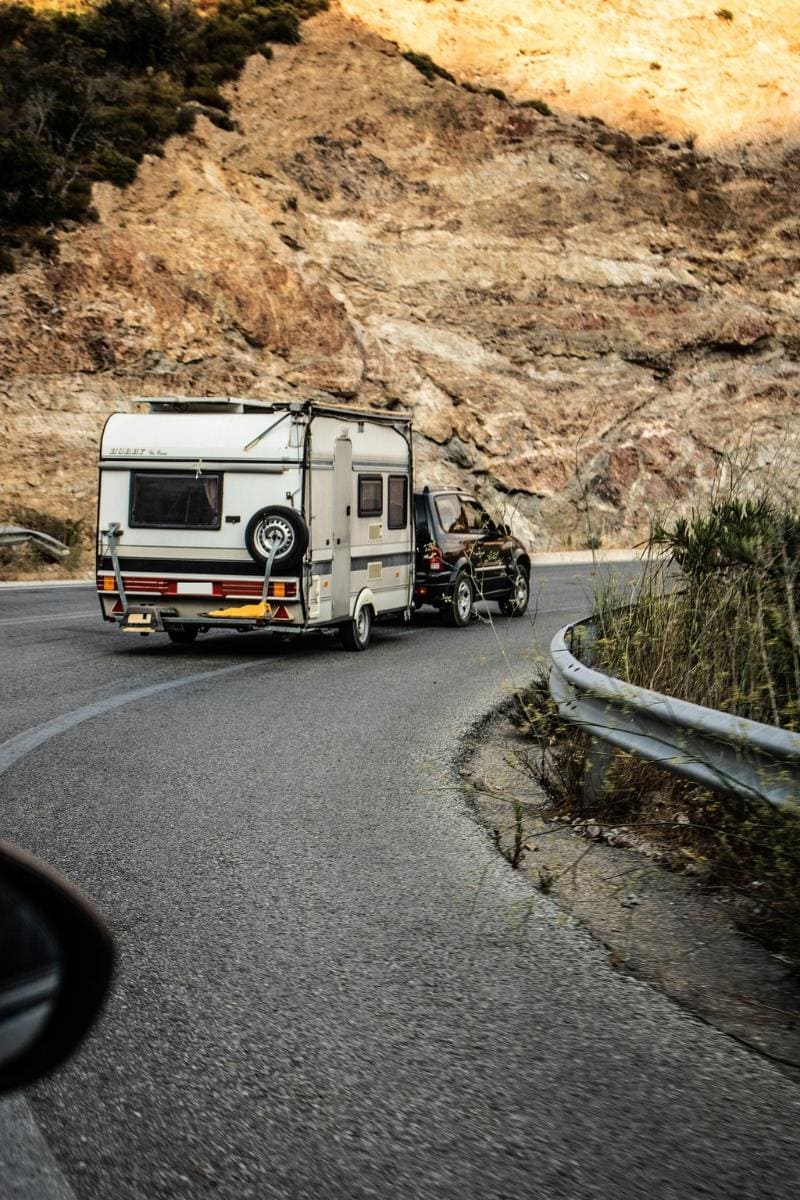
(45, 244)
(221, 120)
(539, 105)
(186, 119)
(85, 95)
(724, 14)
(427, 67)
(498, 93)
(739, 571)
(7, 264)
(111, 166)
(135, 35)
(68, 531)
(209, 97)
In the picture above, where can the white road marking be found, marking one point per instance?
(27, 1164)
(17, 747)
(80, 616)
(27, 584)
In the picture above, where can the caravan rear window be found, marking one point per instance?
(185, 500)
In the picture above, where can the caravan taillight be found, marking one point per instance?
(435, 559)
(239, 588)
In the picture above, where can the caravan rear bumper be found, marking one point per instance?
(153, 618)
(228, 602)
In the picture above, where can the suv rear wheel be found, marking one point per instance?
(516, 602)
(458, 609)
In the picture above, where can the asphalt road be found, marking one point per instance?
(329, 984)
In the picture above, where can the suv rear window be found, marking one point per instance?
(458, 514)
(185, 500)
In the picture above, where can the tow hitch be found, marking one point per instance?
(145, 620)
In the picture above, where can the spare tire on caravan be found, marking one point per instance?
(243, 514)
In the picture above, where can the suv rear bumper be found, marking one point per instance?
(434, 591)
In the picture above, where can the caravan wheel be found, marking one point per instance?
(183, 635)
(277, 522)
(356, 633)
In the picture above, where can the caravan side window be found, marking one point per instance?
(397, 517)
(370, 495)
(185, 500)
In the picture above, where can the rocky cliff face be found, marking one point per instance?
(726, 77)
(584, 324)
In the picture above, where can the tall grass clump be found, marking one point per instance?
(714, 621)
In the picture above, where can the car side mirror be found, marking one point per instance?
(56, 962)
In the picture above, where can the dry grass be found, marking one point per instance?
(714, 622)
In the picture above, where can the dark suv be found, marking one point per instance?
(464, 556)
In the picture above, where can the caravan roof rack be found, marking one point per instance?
(244, 404)
(236, 404)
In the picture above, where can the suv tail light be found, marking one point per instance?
(435, 559)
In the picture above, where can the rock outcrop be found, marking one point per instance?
(585, 325)
(726, 77)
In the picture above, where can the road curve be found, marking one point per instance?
(329, 984)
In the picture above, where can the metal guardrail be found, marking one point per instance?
(14, 535)
(715, 749)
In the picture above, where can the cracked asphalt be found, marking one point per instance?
(329, 983)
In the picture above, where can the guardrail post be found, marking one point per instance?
(598, 760)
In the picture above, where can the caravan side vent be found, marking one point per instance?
(374, 571)
(376, 532)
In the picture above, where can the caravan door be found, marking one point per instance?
(342, 500)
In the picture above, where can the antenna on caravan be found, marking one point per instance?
(269, 429)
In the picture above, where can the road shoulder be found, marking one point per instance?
(657, 925)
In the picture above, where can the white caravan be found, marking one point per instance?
(242, 514)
